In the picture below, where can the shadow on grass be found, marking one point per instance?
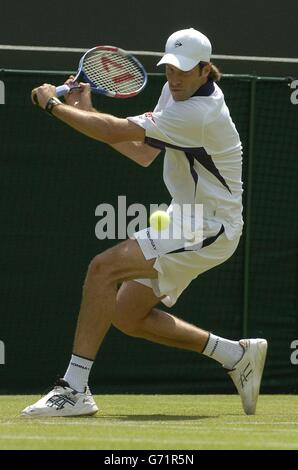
(156, 417)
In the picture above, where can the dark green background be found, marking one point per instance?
(51, 181)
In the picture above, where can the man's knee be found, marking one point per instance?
(102, 265)
(134, 307)
(113, 263)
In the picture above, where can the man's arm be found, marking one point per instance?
(123, 135)
(104, 127)
(99, 126)
(139, 152)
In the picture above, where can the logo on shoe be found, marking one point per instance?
(245, 374)
(59, 401)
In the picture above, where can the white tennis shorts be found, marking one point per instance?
(176, 266)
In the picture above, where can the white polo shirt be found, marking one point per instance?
(203, 159)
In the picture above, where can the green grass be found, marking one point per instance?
(156, 422)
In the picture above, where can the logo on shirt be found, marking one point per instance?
(178, 44)
(149, 115)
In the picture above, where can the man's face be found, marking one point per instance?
(184, 84)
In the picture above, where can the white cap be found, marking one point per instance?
(186, 48)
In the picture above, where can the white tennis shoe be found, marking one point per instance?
(63, 401)
(247, 373)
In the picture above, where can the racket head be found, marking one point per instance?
(112, 71)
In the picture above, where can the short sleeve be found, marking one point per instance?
(181, 124)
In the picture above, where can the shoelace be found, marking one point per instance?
(61, 383)
(58, 383)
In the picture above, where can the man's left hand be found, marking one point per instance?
(43, 94)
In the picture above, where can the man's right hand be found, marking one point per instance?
(81, 98)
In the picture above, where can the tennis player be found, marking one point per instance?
(203, 158)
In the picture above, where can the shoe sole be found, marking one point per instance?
(43, 415)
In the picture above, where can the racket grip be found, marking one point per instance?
(62, 90)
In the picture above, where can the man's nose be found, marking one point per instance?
(176, 80)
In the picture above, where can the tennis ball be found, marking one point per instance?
(159, 220)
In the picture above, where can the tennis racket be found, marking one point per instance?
(110, 71)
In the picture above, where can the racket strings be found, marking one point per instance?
(114, 72)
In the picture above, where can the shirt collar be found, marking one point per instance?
(205, 90)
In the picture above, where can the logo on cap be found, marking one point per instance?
(178, 44)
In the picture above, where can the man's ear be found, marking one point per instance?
(206, 70)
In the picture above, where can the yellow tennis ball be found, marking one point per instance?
(159, 220)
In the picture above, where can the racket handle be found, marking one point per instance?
(62, 90)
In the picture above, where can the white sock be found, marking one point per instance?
(223, 350)
(78, 371)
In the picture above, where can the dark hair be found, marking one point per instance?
(214, 73)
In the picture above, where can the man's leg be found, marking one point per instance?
(71, 396)
(246, 357)
(122, 262)
(99, 309)
(135, 316)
